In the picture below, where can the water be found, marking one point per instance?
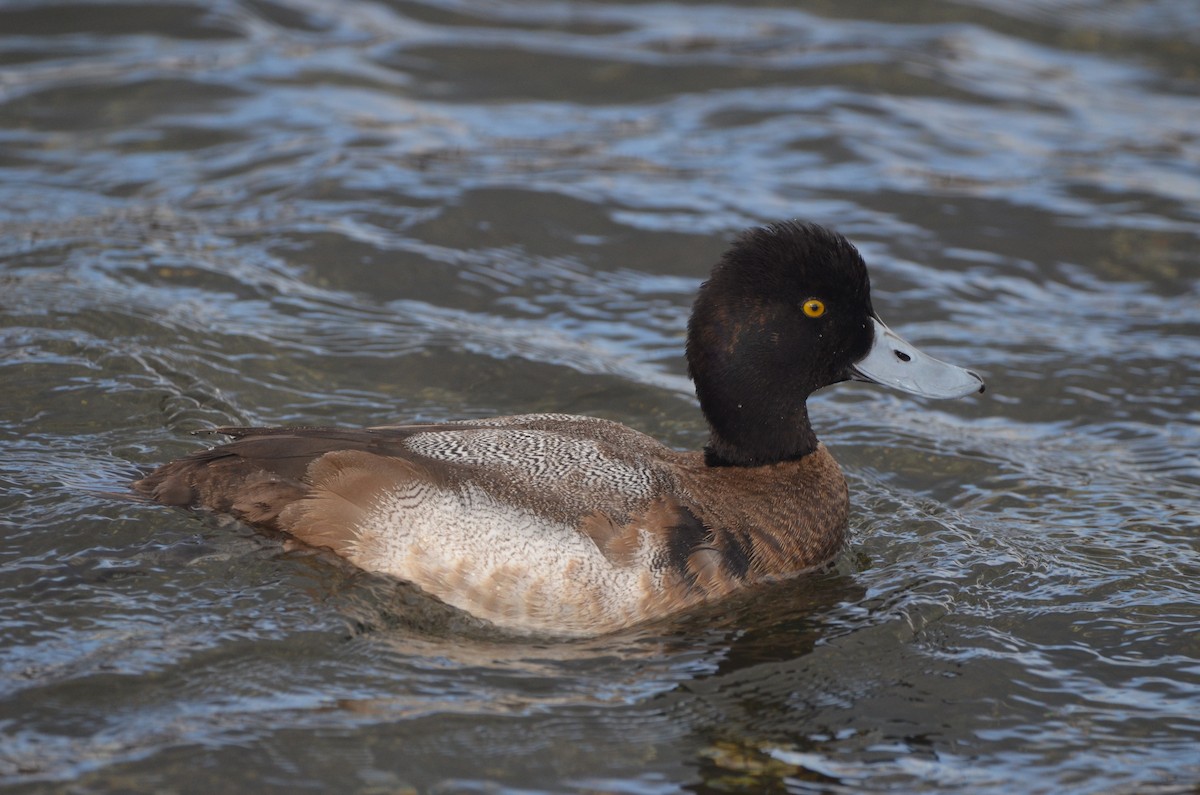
(298, 212)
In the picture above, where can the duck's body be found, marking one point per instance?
(541, 522)
(568, 525)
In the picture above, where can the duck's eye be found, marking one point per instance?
(814, 308)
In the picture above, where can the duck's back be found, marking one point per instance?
(545, 522)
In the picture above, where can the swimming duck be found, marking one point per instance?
(565, 525)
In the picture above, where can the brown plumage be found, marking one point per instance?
(695, 532)
(574, 525)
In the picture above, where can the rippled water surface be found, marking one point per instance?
(246, 211)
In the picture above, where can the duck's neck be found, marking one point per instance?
(750, 439)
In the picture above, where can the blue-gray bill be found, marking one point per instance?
(896, 363)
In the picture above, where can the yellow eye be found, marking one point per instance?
(814, 308)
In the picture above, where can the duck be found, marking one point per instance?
(561, 525)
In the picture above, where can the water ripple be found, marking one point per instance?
(255, 211)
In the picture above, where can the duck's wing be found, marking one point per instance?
(257, 474)
(561, 467)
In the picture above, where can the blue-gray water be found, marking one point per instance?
(246, 211)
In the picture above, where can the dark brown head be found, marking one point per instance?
(785, 312)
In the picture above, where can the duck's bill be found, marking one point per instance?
(899, 364)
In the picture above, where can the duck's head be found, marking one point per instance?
(787, 311)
